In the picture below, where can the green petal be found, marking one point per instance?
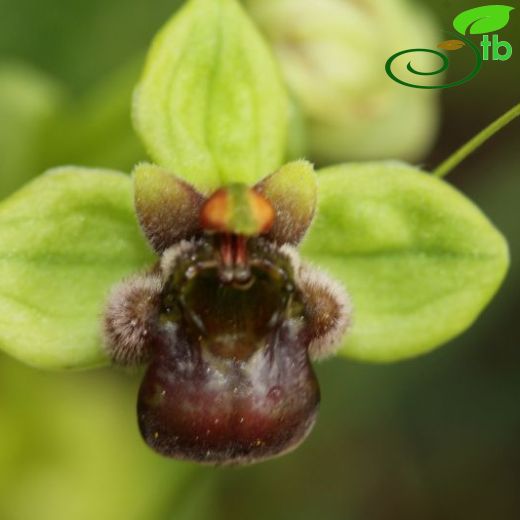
(211, 106)
(65, 239)
(168, 209)
(419, 259)
(292, 190)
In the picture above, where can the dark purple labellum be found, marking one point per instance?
(230, 379)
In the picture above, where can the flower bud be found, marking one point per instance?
(332, 53)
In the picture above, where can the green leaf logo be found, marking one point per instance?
(482, 20)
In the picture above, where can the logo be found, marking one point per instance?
(478, 21)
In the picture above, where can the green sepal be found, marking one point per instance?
(65, 239)
(211, 105)
(418, 258)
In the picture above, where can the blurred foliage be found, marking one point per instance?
(436, 437)
(70, 449)
(82, 41)
(45, 126)
(28, 102)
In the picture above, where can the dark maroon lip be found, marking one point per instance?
(199, 406)
(228, 329)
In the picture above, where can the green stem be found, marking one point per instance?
(453, 160)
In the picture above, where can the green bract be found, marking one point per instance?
(65, 238)
(211, 106)
(419, 259)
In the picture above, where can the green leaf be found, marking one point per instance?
(482, 20)
(211, 106)
(419, 259)
(65, 239)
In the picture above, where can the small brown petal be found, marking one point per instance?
(131, 310)
(167, 207)
(292, 191)
(328, 310)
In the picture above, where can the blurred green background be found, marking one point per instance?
(433, 438)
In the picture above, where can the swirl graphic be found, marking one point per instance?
(442, 68)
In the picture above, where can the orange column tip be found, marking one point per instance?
(237, 209)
